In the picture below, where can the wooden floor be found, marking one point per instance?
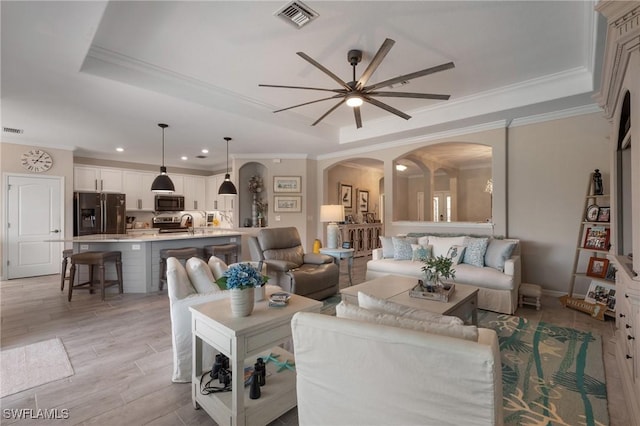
(120, 350)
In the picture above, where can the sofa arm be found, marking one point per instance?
(280, 265)
(376, 254)
(316, 258)
(513, 267)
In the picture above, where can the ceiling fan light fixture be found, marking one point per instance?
(354, 101)
(227, 187)
(162, 184)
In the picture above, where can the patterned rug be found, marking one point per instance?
(551, 375)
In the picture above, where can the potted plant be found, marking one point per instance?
(437, 268)
(242, 279)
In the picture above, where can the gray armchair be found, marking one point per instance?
(311, 275)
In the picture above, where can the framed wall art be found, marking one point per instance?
(346, 195)
(597, 267)
(363, 201)
(287, 184)
(604, 214)
(597, 238)
(287, 204)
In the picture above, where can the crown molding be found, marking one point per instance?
(556, 115)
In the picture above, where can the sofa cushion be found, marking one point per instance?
(200, 276)
(398, 267)
(372, 303)
(402, 248)
(441, 245)
(456, 253)
(498, 251)
(292, 254)
(387, 247)
(180, 284)
(475, 251)
(420, 253)
(467, 332)
(484, 277)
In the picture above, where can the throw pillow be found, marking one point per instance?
(467, 332)
(475, 251)
(420, 253)
(441, 245)
(498, 251)
(380, 305)
(178, 284)
(201, 276)
(387, 247)
(218, 267)
(456, 253)
(402, 248)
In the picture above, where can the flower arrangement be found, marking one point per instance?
(261, 206)
(439, 267)
(241, 276)
(255, 184)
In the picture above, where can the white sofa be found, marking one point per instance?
(189, 286)
(357, 373)
(498, 289)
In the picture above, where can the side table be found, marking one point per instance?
(339, 254)
(244, 338)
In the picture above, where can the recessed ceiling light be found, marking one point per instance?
(205, 151)
(183, 157)
(120, 149)
(401, 167)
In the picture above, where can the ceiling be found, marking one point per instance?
(92, 76)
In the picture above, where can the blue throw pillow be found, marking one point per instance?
(420, 253)
(402, 248)
(475, 251)
(498, 252)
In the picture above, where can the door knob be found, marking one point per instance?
(55, 231)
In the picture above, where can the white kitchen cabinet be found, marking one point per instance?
(178, 183)
(97, 179)
(194, 192)
(137, 187)
(216, 201)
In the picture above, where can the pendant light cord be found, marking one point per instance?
(227, 138)
(163, 147)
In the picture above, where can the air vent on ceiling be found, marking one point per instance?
(201, 156)
(297, 13)
(12, 130)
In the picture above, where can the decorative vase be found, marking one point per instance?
(242, 301)
(254, 211)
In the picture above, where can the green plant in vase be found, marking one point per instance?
(437, 268)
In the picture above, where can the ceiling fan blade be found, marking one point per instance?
(324, 70)
(411, 76)
(375, 63)
(327, 113)
(302, 87)
(312, 102)
(386, 107)
(356, 114)
(410, 95)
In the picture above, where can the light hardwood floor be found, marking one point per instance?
(120, 350)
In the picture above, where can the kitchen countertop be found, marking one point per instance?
(146, 236)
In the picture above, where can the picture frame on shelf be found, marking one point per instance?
(287, 204)
(600, 292)
(597, 238)
(346, 195)
(287, 184)
(346, 245)
(597, 267)
(604, 214)
(363, 201)
(591, 215)
(611, 272)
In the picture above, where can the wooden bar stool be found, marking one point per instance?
(229, 251)
(66, 254)
(182, 254)
(93, 259)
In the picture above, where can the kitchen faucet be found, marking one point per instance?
(190, 229)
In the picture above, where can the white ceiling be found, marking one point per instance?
(97, 75)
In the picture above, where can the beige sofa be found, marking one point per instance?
(351, 372)
(498, 284)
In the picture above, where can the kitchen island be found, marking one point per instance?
(141, 252)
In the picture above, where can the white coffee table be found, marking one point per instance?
(240, 339)
(462, 304)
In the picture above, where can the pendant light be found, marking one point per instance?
(162, 183)
(227, 187)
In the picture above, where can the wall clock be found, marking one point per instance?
(36, 160)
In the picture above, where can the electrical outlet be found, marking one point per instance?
(278, 218)
(135, 246)
(232, 239)
(84, 247)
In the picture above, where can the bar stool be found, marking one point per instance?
(93, 259)
(229, 251)
(66, 254)
(182, 254)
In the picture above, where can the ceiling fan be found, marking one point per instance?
(354, 93)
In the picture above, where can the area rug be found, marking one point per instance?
(551, 375)
(33, 365)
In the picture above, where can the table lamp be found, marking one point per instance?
(332, 213)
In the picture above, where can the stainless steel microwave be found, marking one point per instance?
(169, 203)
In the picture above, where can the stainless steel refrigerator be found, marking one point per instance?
(98, 213)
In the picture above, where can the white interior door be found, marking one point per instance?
(34, 215)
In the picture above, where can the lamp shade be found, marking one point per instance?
(227, 187)
(162, 184)
(332, 213)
